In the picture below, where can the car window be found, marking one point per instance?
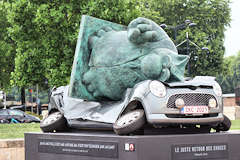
(15, 113)
(3, 112)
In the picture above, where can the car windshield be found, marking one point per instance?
(16, 113)
(3, 112)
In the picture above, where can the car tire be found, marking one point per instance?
(129, 122)
(225, 125)
(54, 122)
(4, 121)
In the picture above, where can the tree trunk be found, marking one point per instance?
(23, 96)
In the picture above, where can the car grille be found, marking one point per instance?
(191, 99)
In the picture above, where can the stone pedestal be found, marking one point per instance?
(108, 146)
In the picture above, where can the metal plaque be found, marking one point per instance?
(79, 147)
(200, 151)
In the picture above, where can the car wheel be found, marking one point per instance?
(225, 125)
(4, 121)
(129, 122)
(54, 122)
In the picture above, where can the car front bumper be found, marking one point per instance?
(163, 119)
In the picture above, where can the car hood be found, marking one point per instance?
(197, 81)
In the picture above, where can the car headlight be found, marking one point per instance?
(158, 89)
(212, 103)
(217, 89)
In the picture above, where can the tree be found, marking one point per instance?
(46, 35)
(28, 61)
(45, 32)
(211, 17)
(229, 82)
(227, 66)
(230, 77)
(7, 49)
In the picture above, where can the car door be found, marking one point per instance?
(16, 114)
(4, 115)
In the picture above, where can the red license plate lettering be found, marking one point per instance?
(195, 109)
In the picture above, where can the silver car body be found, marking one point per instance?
(158, 111)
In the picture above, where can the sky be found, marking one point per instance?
(232, 34)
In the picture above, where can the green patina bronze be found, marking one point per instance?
(110, 58)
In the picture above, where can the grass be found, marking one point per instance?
(11, 131)
(235, 125)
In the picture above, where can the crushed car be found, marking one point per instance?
(193, 102)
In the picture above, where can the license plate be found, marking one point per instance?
(194, 110)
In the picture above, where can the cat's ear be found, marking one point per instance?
(177, 69)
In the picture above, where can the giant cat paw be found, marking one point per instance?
(91, 81)
(141, 30)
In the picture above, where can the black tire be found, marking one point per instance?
(124, 125)
(225, 125)
(57, 123)
(4, 121)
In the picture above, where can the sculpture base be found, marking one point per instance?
(108, 146)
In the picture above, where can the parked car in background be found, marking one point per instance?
(19, 107)
(14, 115)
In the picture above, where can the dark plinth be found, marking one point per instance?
(108, 146)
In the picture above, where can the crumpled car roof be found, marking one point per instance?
(196, 82)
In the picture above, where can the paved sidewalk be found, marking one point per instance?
(12, 149)
(234, 131)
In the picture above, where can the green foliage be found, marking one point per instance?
(47, 36)
(43, 34)
(211, 17)
(228, 65)
(230, 77)
(7, 48)
(29, 68)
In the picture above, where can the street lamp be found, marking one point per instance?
(178, 27)
(188, 42)
(187, 23)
